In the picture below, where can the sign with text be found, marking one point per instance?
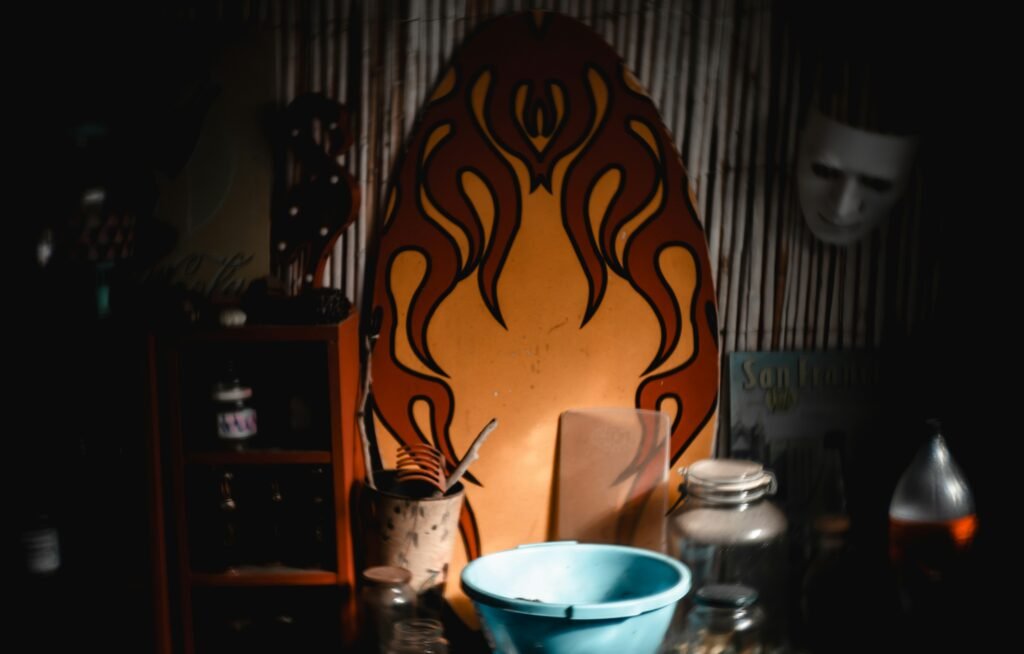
(800, 413)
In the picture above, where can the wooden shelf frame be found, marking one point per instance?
(259, 458)
(344, 457)
(264, 576)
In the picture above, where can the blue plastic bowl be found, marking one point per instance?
(569, 598)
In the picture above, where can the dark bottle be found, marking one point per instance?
(276, 527)
(830, 608)
(283, 633)
(229, 554)
(320, 525)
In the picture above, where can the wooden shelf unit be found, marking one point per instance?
(181, 456)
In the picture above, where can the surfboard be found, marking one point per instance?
(540, 251)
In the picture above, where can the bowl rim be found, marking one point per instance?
(594, 611)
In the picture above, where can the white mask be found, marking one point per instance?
(849, 178)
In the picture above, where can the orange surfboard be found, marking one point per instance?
(540, 251)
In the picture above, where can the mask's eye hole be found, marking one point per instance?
(825, 172)
(876, 184)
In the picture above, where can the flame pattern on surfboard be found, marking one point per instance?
(540, 250)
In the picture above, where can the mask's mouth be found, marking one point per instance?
(839, 225)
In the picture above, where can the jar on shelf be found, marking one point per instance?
(236, 418)
(40, 543)
(725, 620)
(418, 636)
(727, 531)
(387, 599)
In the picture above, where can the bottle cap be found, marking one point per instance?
(932, 489)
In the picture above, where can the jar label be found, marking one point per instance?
(237, 424)
(42, 551)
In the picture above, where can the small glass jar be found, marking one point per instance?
(728, 532)
(418, 636)
(725, 620)
(41, 546)
(387, 599)
(236, 419)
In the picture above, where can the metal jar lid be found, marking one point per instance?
(728, 596)
(231, 392)
(387, 575)
(728, 480)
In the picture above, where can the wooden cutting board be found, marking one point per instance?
(540, 251)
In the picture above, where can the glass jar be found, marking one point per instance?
(728, 532)
(41, 546)
(725, 620)
(387, 599)
(418, 636)
(236, 419)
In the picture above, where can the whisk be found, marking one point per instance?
(425, 462)
(421, 462)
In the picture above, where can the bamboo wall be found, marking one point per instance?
(732, 83)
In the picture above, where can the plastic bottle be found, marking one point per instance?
(932, 525)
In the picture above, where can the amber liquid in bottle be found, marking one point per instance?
(933, 548)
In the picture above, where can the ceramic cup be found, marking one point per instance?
(418, 534)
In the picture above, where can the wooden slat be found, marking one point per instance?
(788, 203)
(668, 73)
(660, 52)
(157, 525)
(851, 258)
(734, 203)
(716, 117)
(684, 93)
(259, 457)
(254, 577)
(264, 333)
(760, 281)
(882, 281)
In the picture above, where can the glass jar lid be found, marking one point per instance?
(728, 480)
(231, 392)
(387, 575)
(726, 596)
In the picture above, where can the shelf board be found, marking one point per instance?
(258, 457)
(265, 576)
(265, 334)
